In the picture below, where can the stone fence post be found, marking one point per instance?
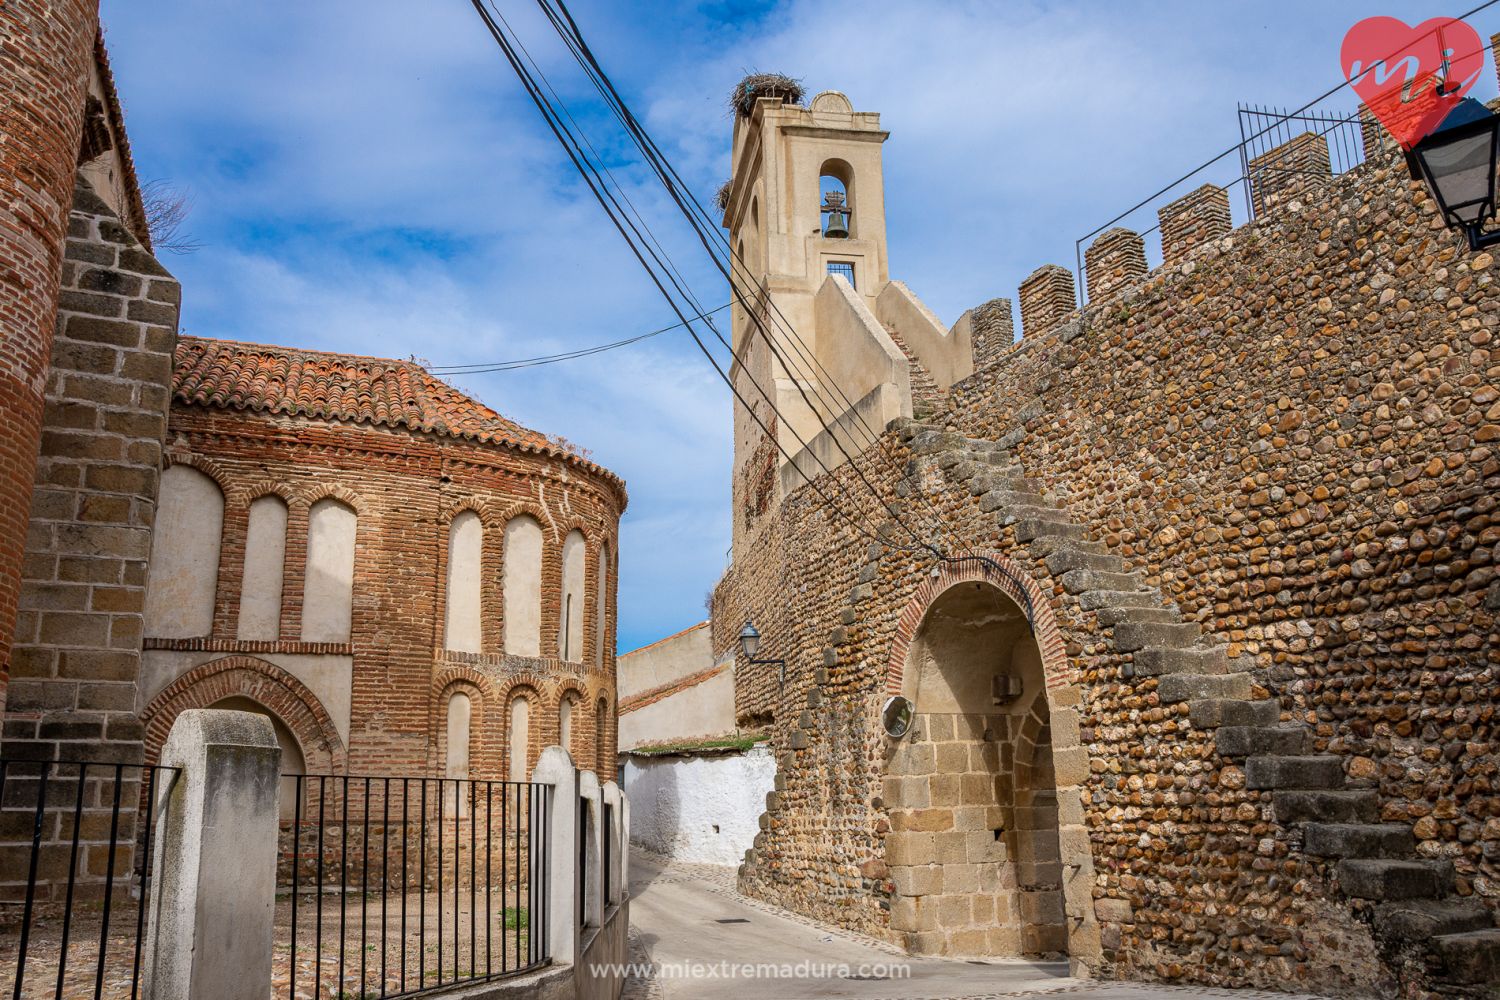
(214, 894)
(555, 768)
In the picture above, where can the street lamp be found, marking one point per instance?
(750, 645)
(1456, 161)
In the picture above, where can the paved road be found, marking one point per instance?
(698, 933)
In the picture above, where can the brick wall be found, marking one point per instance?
(405, 488)
(43, 76)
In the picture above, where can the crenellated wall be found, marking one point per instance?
(1286, 438)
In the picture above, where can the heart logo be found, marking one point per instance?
(1411, 77)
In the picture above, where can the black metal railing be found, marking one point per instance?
(393, 887)
(75, 876)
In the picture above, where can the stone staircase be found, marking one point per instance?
(1424, 929)
(1409, 899)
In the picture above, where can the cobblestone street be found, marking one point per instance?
(699, 935)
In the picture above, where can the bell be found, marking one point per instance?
(838, 216)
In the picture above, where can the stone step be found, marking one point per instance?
(1076, 581)
(1029, 528)
(1382, 880)
(1210, 713)
(1097, 600)
(1172, 688)
(1471, 958)
(1010, 500)
(1129, 638)
(1315, 771)
(1155, 662)
(1036, 511)
(1069, 559)
(1243, 741)
(1111, 617)
(1420, 919)
(984, 482)
(1047, 546)
(1300, 806)
(1358, 840)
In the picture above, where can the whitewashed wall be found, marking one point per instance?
(677, 802)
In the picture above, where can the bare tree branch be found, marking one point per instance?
(167, 210)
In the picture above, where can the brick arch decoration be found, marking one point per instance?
(247, 493)
(481, 507)
(1006, 576)
(207, 466)
(335, 491)
(530, 687)
(504, 515)
(266, 684)
(579, 690)
(486, 754)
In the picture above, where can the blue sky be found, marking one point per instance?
(370, 177)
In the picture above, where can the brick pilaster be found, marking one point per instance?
(1047, 296)
(1193, 220)
(1114, 261)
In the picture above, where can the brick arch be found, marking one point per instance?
(262, 682)
(472, 502)
(530, 687)
(484, 756)
(249, 492)
(334, 491)
(1010, 579)
(207, 466)
(516, 508)
(578, 688)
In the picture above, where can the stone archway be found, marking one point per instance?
(987, 850)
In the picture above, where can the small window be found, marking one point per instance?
(844, 269)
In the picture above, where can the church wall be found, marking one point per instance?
(1291, 434)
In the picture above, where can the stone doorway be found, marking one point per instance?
(972, 790)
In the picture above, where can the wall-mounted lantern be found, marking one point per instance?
(1456, 161)
(750, 645)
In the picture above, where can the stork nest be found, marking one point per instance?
(721, 198)
(757, 85)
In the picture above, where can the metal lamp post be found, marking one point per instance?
(750, 645)
(1456, 161)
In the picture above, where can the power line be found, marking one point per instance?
(485, 367)
(660, 275)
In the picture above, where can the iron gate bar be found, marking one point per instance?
(62, 954)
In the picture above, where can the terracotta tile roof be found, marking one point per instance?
(382, 391)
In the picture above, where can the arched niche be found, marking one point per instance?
(522, 585)
(184, 555)
(837, 175)
(601, 606)
(328, 591)
(979, 759)
(518, 743)
(571, 612)
(265, 561)
(567, 709)
(460, 713)
(292, 761)
(604, 754)
(462, 629)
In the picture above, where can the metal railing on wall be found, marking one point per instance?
(75, 876)
(396, 887)
(1278, 148)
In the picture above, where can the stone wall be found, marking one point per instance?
(78, 637)
(1286, 439)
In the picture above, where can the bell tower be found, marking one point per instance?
(816, 315)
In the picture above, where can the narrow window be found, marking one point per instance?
(184, 555)
(844, 269)
(328, 592)
(465, 543)
(265, 554)
(520, 737)
(570, 629)
(523, 587)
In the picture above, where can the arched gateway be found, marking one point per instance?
(987, 848)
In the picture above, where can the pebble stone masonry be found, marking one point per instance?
(1253, 496)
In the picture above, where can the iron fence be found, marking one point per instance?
(75, 876)
(433, 882)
